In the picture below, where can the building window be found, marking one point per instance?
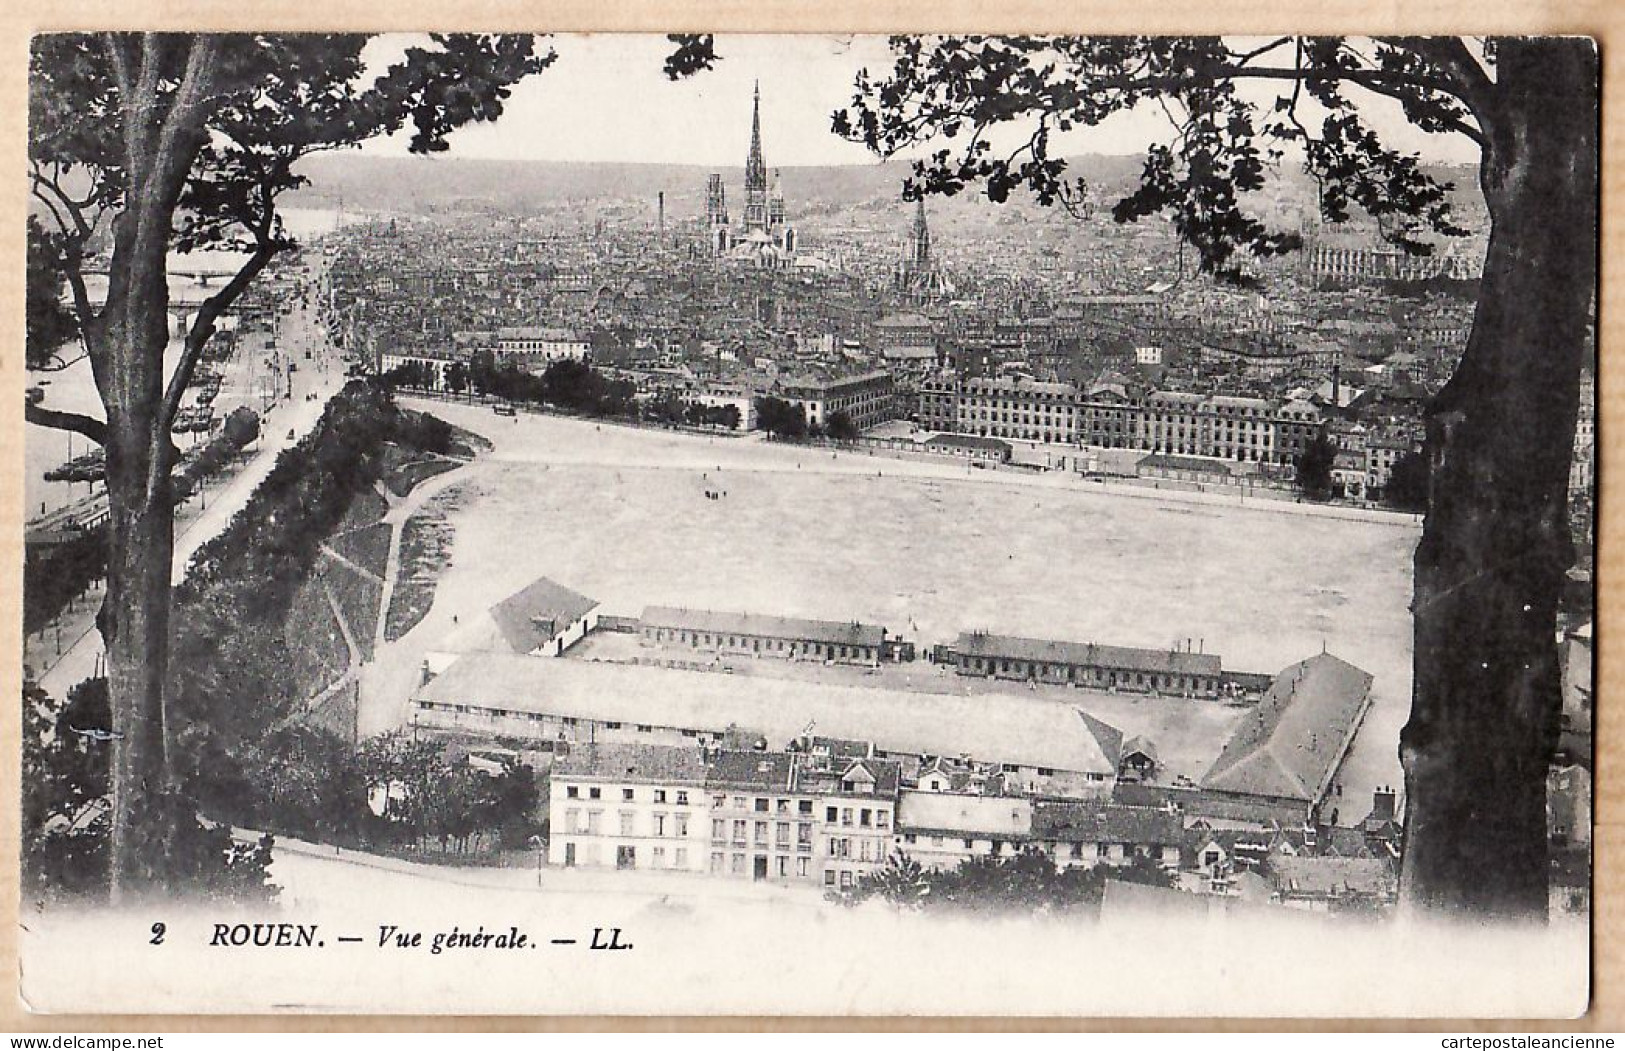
(682, 825)
(660, 824)
(761, 806)
(761, 831)
(738, 864)
(594, 793)
(804, 807)
(716, 862)
(719, 829)
(681, 858)
(660, 795)
(830, 815)
(739, 831)
(627, 817)
(829, 877)
(627, 795)
(682, 799)
(572, 792)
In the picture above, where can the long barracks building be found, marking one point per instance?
(1244, 430)
(1087, 664)
(761, 635)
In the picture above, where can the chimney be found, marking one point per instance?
(1337, 385)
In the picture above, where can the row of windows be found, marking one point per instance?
(1074, 672)
(588, 823)
(735, 864)
(757, 832)
(629, 795)
(1100, 850)
(754, 643)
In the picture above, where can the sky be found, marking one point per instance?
(606, 99)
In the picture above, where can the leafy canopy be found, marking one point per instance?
(960, 92)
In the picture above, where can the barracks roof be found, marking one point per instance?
(992, 727)
(1044, 651)
(839, 632)
(1289, 745)
(533, 615)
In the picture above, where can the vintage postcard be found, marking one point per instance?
(690, 524)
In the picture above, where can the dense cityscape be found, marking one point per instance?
(761, 531)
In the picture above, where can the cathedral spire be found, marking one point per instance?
(755, 166)
(922, 237)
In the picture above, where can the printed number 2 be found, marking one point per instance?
(157, 934)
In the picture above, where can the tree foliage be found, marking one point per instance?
(962, 92)
(1028, 881)
(1314, 467)
(780, 418)
(50, 323)
(1407, 488)
(66, 754)
(840, 426)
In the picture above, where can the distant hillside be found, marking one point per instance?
(415, 185)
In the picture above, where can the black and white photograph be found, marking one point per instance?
(809, 525)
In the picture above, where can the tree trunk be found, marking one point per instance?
(1496, 545)
(134, 619)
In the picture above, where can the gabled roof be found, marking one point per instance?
(1109, 737)
(749, 769)
(1142, 745)
(1289, 745)
(1327, 876)
(533, 615)
(1107, 823)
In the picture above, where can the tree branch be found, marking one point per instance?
(93, 429)
(197, 337)
(72, 271)
(1450, 54)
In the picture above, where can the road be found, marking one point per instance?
(282, 425)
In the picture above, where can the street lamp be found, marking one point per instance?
(536, 842)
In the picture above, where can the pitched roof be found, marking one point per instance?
(750, 769)
(993, 727)
(1289, 745)
(1044, 651)
(1142, 745)
(533, 615)
(656, 763)
(1107, 823)
(838, 632)
(1321, 876)
(1109, 736)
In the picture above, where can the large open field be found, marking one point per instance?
(925, 549)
